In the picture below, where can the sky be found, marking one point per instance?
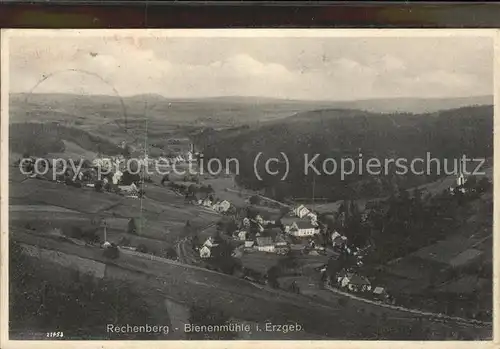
(306, 68)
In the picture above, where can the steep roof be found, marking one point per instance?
(358, 280)
(287, 221)
(304, 224)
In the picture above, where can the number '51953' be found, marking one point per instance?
(55, 334)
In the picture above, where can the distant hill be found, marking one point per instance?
(414, 105)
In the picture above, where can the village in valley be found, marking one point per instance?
(214, 189)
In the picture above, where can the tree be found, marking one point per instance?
(98, 186)
(171, 253)
(272, 277)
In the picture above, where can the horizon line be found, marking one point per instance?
(254, 97)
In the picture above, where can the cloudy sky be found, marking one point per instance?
(328, 68)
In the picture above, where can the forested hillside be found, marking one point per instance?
(42, 138)
(337, 133)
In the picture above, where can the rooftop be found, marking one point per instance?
(304, 224)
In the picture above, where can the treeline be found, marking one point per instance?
(407, 221)
(341, 134)
(42, 138)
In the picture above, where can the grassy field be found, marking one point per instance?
(163, 220)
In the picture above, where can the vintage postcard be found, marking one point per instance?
(248, 185)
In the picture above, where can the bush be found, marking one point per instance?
(254, 200)
(98, 186)
(171, 253)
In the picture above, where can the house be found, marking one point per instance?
(301, 211)
(222, 206)
(282, 246)
(242, 235)
(355, 283)
(207, 202)
(302, 229)
(246, 222)
(265, 244)
(281, 240)
(205, 252)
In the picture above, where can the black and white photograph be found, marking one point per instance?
(250, 184)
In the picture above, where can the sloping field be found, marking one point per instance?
(73, 151)
(83, 200)
(46, 205)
